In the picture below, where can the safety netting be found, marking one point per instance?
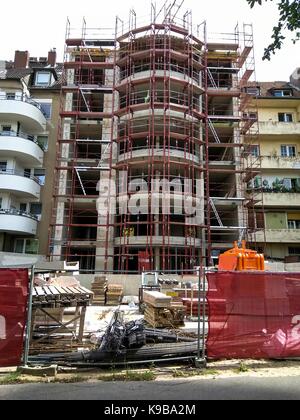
(13, 309)
(253, 315)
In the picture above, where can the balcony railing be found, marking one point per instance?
(277, 128)
(13, 212)
(161, 149)
(22, 136)
(160, 96)
(169, 67)
(26, 100)
(21, 174)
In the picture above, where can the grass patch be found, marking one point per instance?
(11, 379)
(71, 380)
(129, 376)
(243, 368)
(194, 373)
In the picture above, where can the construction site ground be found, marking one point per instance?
(215, 370)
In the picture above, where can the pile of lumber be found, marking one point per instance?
(161, 312)
(57, 296)
(99, 289)
(191, 306)
(172, 317)
(157, 299)
(114, 294)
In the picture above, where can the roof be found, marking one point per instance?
(267, 88)
(17, 74)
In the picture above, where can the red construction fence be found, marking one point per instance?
(253, 315)
(13, 309)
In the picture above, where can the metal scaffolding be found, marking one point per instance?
(160, 111)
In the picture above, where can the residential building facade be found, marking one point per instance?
(29, 99)
(278, 148)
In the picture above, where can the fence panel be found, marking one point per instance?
(13, 309)
(253, 315)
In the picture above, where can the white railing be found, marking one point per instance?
(22, 136)
(13, 212)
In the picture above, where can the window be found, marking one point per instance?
(253, 115)
(43, 78)
(36, 209)
(45, 106)
(284, 117)
(41, 175)
(255, 150)
(282, 93)
(6, 128)
(292, 184)
(43, 142)
(294, 224)
(19, 246)
(23, 207)
(11, 96)
(32, 246)
(287, 183)
(288, 151)
(295, 250)
(26, 246)
(27, 173)
(255, 91)
(46, 109)
(257, 182)
(3, 166)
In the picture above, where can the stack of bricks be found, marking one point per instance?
(114, 294)
(161, 312)
(99, 286)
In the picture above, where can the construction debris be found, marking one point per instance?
(130, 342)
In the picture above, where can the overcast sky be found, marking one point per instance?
(38, 26)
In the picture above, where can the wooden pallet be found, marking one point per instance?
(56, 296)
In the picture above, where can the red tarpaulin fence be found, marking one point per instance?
(253, 315)
(13, 310)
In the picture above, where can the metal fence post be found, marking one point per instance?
(29, 315)
(200, 361)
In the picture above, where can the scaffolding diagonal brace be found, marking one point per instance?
(80, 180)
(216, 212)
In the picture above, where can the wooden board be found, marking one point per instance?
(56, 296)
(157, 299)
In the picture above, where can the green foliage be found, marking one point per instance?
(243, 368)
(289, 19)
(129, 376)
(179, 373)
(11, 379)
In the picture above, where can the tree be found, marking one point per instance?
(289, 19)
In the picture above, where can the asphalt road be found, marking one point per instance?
(246, 388)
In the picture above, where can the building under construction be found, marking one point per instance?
(155, 169)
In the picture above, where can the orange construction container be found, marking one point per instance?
(241, 259)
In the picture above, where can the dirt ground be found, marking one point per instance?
(215, 370)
